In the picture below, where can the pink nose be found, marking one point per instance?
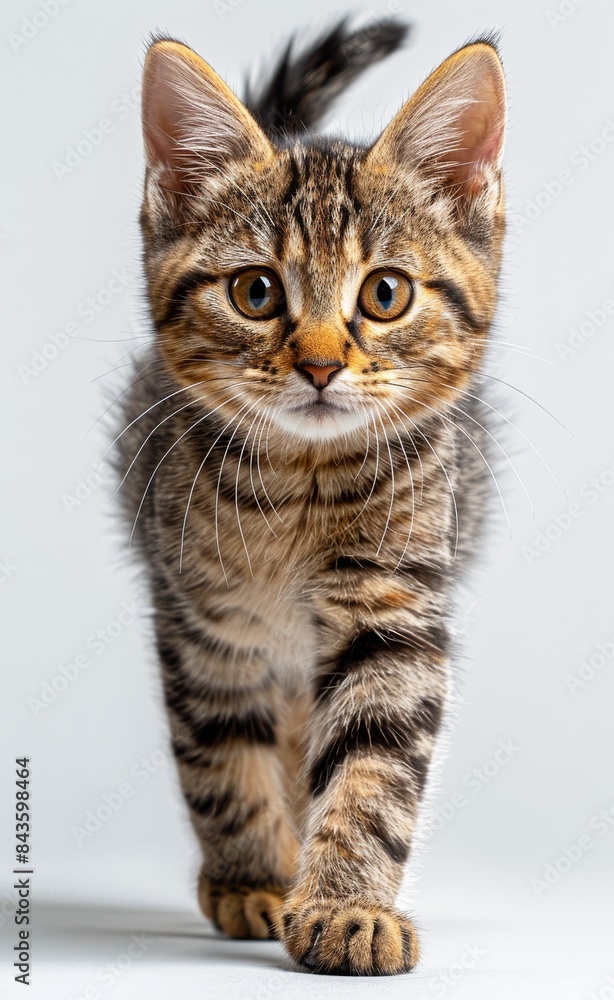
(319, 375)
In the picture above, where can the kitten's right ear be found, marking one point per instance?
(453, 127)
(193, 124)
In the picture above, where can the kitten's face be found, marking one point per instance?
(325, 287)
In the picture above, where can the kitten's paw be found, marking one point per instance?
(241, 911)
(347, 937)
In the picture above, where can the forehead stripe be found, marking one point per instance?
(294, 180)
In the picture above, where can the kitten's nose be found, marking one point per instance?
(319, 374)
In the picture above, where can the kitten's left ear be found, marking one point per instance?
(193, 124)
(453, 127)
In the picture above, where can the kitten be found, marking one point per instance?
(302, 469)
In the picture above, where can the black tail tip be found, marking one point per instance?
(303, 85)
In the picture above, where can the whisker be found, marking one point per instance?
(117, 340)
(467, 416)
(441, 466)
(375, 475)
(192, 402)
(265, 491)
(201, 467)
(174, 445)
(249, 562)
(422, 477)
(217, 491)
(144, 413)
(523, 352)
(116, 400)
(194, 385)
(477, 371)
(266, 448)
(494, 409)
(251, 476)
(390, 508)
(443, 418)
(128, 364)
(528, 396)
(411, 481)
(367, 445)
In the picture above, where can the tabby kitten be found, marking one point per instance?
(302, 470)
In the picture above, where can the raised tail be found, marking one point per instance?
(303, 87)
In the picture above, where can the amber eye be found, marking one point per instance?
(257, 293)
(385, 295)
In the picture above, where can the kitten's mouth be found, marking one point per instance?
(318, 409)
(319, 419)
(319, 405)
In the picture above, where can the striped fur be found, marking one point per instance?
(301, 557)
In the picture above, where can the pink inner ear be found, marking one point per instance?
(162, 112)
(192, 122)
(481, 130)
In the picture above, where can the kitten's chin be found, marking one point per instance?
(319, 423)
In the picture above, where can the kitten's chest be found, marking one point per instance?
(308, 518)
(278, 524)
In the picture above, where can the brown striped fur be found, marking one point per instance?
(301, 557)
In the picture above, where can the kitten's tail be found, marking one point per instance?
(303, 87)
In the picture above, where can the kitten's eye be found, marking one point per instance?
(385, 295)
(257, 294)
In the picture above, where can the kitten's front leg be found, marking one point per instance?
(379, 707)
(224, 708)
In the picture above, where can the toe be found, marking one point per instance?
(260, 911)
(347, 947)
(231, 918)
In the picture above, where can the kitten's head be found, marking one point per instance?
(323, 286)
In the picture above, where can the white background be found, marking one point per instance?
(530, 618)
